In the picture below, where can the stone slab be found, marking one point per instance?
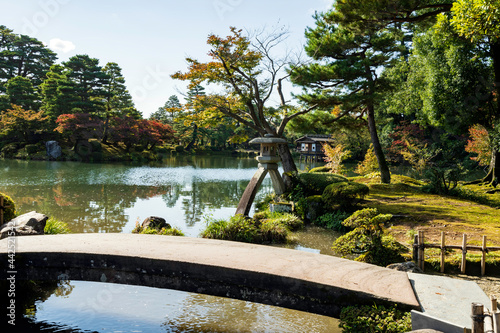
(423, 321)
(446, 298)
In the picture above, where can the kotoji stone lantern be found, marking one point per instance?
(268, 163)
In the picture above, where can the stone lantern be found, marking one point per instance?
(268, 163)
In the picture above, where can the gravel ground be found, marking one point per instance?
(489, 284)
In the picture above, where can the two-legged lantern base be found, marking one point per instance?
(254, 185)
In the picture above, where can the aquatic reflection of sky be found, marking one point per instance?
(107, 307)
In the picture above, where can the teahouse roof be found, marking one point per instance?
(313, 138)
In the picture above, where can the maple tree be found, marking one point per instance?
(153, 132)
(78, 127)
(17, 120)
(248, 76)
(334, 156)
(480, 144)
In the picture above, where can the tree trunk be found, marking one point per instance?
(288, 164)
(193, 138)
(385, 174)
(493, 175)
(105, 131)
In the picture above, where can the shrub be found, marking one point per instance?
(367, 238)
(31, 149)
(162, 231)
(333, 221)
(9, 150)
(290, 221)
(238, 228)
(179, 148)
(315, 183)
(166, 231)
(10, 211)
(361, 319)
(344, 194)
(320, 169)
(263, 204)
(274, 231)
(265, 227)
(369, 164)
(54, 226)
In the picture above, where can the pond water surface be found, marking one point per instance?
(113, 198)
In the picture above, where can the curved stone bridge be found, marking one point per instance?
(283, 277)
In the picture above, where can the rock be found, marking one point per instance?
(408, 266)
(155, 222)
(53, 149)
(31, 223)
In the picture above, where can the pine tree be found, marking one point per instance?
(344, 73)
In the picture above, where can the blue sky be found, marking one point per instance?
(150, 39)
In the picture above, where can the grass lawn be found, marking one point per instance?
(414, 210)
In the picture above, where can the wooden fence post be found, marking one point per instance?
(421, 259)
(442, 251)
(415, 250)
(495, 314)
(477, 318)
(483, 257)
(464, 253)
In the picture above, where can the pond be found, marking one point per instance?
(113, 198)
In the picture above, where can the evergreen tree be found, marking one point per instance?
(58, 93)
(21, 92)
(89, 81)
(24, 56)
(118, 102)
(168, 112)
(344, 73)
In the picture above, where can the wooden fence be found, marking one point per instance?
(419, 247)
(485, 320)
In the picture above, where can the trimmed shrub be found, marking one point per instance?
(375, 318)
(344, 194)
(10, 212)
(315, 183)
(320, 169)
(368, 239)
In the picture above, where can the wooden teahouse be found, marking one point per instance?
(310, 146)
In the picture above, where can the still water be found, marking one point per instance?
(113, 198)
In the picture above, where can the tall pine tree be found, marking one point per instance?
(344, 72)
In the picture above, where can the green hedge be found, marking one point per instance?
(315, 183)
(344, 194)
